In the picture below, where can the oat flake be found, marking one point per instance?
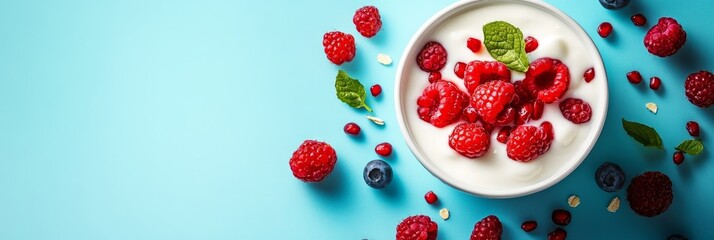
(444, 213)
(614, 204)
(652, 107)
(574, 201)
(376, 120)
(384, 59)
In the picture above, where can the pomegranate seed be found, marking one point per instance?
(589, 75)
(470, 115)
(678, 157)
(531, 44)
(529, 226)
(503, 134)
(506, 116)
(474, 44)
(459, 69)
(376, 89)
(430, 197)
(655, 83)
(538, 106)
(524, 114)
(352, 128)
(383, 149)
(489, 127)
(434, 76)
(561, 217)
(547, 128)
(634, 77)
(693, 128)
(557, 234)
(639, 19)
(604, 29)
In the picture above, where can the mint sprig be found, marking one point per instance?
(692, 147)
(643, 134)
(350, 91)
(505, 43)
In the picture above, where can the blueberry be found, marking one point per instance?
(377, 174)
(614, 4)
(676, 237)
(609, 177)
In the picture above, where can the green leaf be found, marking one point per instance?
(350, 91)
(692, 147)
(644, 134)
(505, 43)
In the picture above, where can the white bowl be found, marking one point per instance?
(429, 149)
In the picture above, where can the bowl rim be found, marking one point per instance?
(572, 164)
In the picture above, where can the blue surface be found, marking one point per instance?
(176, 119)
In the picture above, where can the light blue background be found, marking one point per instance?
(176, 119)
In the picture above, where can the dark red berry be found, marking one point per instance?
(557, 234)
(655, 83)
(634, 77)
(459, 69)
(639, 19)
(470, 114)
(531, 44)
(376, 89)
(538, 107)
(529, 226)
(604, 29)
(693, 128)
(434, 76)
(503, 134)
(678, 157)
(589, 75)
(432, 57)
(352, 128)
(430, 197)
(561, 217)
(474, 44)
(383, 149)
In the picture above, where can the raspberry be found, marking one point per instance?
(459, 69)
(489, 228)
(507, 116)
(375, 90)
(339, 47)
(576, 110)
(491, 98)
(441, 103)
(313, 161)
(367, 21)
(589, 75)
(655, 83)
(352, 128)
(434, 76)
(470, 140)
(638, 19)
(383, 149)
(531, 44)
(604, 29)
(693, 128)
(529, 226)
(474, 45)
(432, 57)
(418, 227)
(526, 143)
(430, 197)
(699, 88)
(479, 72)
(650, 194)
(665, 38)
(547, 79)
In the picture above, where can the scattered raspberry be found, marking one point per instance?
(441, 103)
(639, 19)
(479, 72)
(432, 57)
(506, 117)
(367, 21)
(383, 149)
(693, 128)
(634, 77)
(650, 194)
(538, 107)
(589, 75)
(418, 227)
(459, 69)
(561, 217)
(434, 76)
(352, 128)
(375, 90)
(526, 143)
(531, 44)
(678, 157)
(430, 197)
(474, 44)
(470, 140)
(470, 114)
(548, 79)
(604, 30)
(489, 228)
(557, 234)
(491, 98)
(699, 88)
(339, 47)
(524, 114)
(313, 161)
(576, 110)
(665, 38)
(529, 226)
(655, 83)
(503, 134)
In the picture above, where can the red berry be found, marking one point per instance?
(639, 19)
(459, 69)
(432, 57)
(376, 89)
(634, 77)
(699, 88)
(470, 140)
(503, 134)
(665, 38)
(678, 157)
(430, 197)
(474, 44)
(561, 217)
(655, 83)
(538, 107)
(523, 96)
(576, 110)
(650, 194)
(470, 114)
(339, 47)
(589, 74)
(547, 129)
(441, 103)
(524, 114)
(417, 227)
(313, 161)
(479, 72)
(604, 29)
(489, 228)
(547, 79)
(529, 226)
(352, 128)
(434, 76)
(693, 128)
(531, 44)
(557, 234)
(367, 21)
(507, 116)
(526, 143)
(383, 149)
(491, 98)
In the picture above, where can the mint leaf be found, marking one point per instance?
(644, 134)
(350, 91)
(692, 147)
(505, 43)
